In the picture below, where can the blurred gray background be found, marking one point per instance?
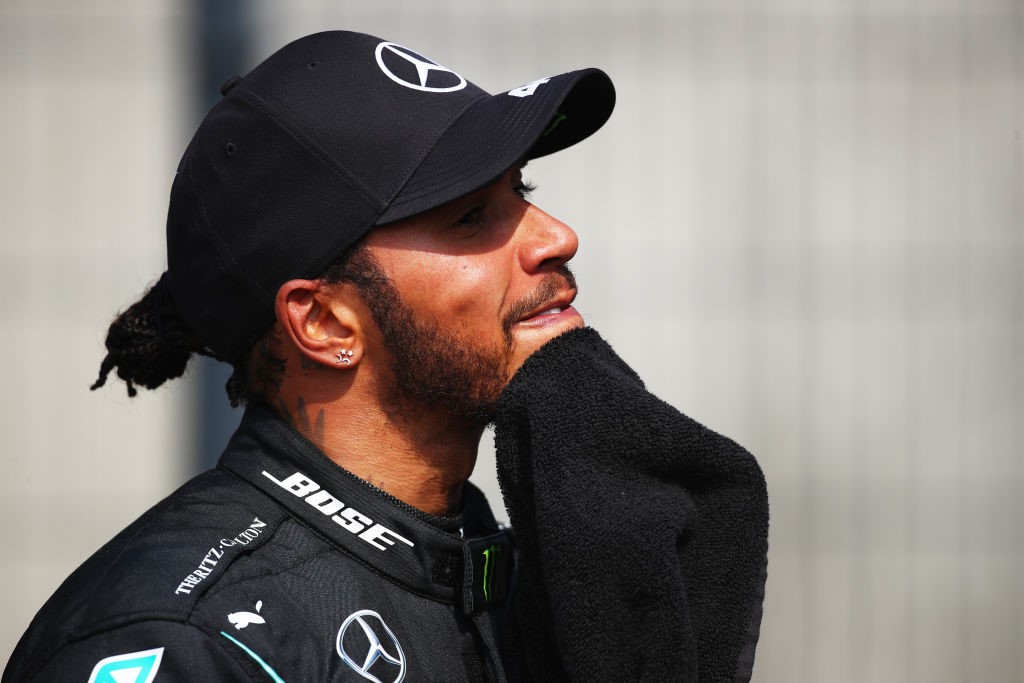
(802, 226)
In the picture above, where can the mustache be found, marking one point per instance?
(553, 283)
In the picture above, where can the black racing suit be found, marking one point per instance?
(279, 566)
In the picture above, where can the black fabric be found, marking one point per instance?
(233, 576)
(231, 241)
(642, 534)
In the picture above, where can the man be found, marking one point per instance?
(349, 228)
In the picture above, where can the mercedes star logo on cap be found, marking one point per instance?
(432, 77)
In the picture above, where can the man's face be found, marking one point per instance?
(475, 286)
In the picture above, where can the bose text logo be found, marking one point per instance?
(430, 76)
(349, 519)
(365, 652)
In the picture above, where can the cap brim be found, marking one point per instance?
(501, 130)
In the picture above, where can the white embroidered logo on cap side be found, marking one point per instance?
(424, 69)
(528, 89)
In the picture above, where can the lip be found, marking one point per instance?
(567, 315)
(551, 311)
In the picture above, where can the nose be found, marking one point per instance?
(546, 242)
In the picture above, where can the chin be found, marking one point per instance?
(527, 345)
(535, 336)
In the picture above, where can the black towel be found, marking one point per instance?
(642, 535)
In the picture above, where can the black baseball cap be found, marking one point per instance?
(334, 134)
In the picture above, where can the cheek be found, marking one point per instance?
(474, 287)
(468, 293)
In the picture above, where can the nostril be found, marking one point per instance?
(548, 244)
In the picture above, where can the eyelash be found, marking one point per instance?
(471, 217)
(525, 189)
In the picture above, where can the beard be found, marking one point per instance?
(434, 365)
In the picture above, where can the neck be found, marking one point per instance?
(421, 455)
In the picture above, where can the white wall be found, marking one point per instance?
(89, 139)
(803, 226)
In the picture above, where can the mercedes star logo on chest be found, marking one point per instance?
(371, 650)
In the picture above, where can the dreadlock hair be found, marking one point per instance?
(257, 373)
(150, 342)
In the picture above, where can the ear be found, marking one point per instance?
(321, 322)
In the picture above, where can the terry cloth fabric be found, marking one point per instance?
(642, 534)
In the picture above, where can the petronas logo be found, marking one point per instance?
(133, 667)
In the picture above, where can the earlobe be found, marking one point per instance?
(319, 323)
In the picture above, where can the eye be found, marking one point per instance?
(471, 218)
